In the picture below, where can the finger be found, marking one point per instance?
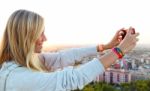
(136, 34)
(130, 30)
(120, 30)
(133, 31)
(120, 37)
(123, 30)
(137, 39)
(131, 27)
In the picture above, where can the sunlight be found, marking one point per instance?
(86, 21)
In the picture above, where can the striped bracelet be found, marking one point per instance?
(118, 52)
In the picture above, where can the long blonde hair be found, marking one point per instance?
(22, 30)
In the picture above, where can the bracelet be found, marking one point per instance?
(100, 48)
(118, 52)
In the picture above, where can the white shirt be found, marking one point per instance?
(16, 78)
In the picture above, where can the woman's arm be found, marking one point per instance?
(68, 57)
(67, 79)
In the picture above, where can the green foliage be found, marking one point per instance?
(139, 85)
(142, 85)
(126, 86)
(107, 87)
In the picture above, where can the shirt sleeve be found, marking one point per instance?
(67, 57)
(70, 78)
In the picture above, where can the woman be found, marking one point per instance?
(25, 68)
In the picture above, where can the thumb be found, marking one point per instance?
(131, 30)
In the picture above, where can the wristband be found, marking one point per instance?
(118, 52)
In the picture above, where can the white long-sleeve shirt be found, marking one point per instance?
(16, 78)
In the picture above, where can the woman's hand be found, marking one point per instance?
(115, 40)
(129, 42)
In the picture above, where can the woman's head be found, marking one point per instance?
(24, 35)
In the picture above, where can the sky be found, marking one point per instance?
(76, 22)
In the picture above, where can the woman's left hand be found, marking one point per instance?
(115, 40)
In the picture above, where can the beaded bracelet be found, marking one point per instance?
(118, 52)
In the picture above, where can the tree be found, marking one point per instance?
(126, 86)
(107, 87)
(141, 85)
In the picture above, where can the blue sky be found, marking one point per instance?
(84, 21)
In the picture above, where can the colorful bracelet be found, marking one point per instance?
(118, 52)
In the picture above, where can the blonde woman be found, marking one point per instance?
(25, 68)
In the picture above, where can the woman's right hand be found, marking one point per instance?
(129, 42)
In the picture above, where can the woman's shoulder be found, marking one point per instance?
(8, 65)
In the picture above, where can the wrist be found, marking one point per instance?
(100, 48)
(107, 46)
(122, 49)
(119, 53)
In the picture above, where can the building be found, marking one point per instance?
(143, 74)
(115, 76)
